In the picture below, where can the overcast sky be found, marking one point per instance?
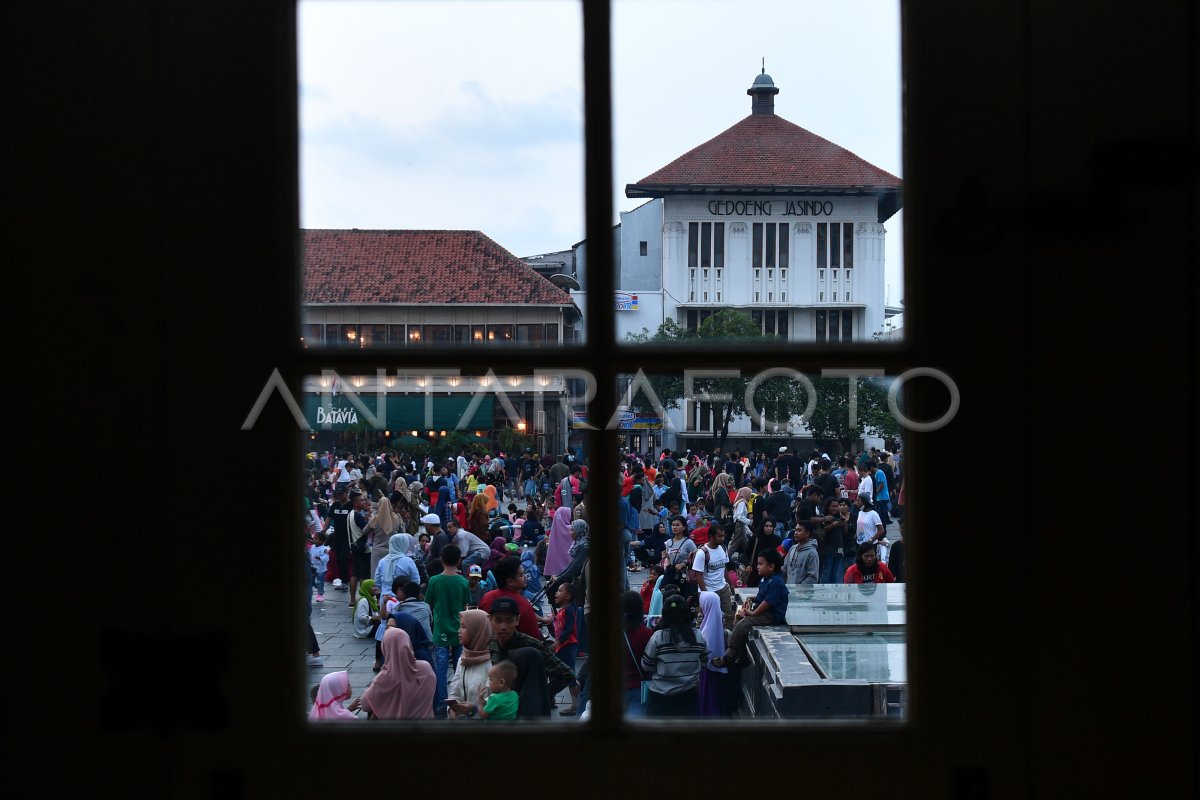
(469, 115)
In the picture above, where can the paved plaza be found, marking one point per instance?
(333, 623)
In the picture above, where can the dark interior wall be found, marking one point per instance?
(1050, 170)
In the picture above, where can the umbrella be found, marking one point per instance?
(409, 439)
(476, 438)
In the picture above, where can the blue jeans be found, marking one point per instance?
(318, 581)
(882, 507)
(633, 704)
(445, 658)
(832, 569)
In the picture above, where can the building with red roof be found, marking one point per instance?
(368, 289)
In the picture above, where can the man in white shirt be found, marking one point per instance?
(708, 567)
(870, 526)
(866, 485)
(461, 465)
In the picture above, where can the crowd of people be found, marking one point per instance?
(479, 608)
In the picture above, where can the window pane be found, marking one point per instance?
(693, 244)
(822, 244)
(705, 246)
(719, 245)
(770, 252)
(847, 325)
(462, 151)
(820, 332)
(833, 326)
(783, 247)
(848, 245)
(835, 245)
(756, 246)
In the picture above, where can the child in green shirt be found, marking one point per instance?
(502, 702)
(447, 595)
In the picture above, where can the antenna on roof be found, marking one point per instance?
(764, 69)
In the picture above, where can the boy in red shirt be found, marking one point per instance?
(510, 577)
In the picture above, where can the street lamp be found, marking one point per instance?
(521, 427)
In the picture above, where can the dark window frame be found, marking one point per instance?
(599, 351)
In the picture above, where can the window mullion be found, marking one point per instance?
(606, 678)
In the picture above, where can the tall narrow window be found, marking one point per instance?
(820, 332)
(719, 246)
(756, 246)
(847, 325)
(822, 244)
(705, 244)
(847, 245)
(784, 236)
(770, 253)
(693, 243)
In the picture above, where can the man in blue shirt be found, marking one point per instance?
(882, 496)
(769, 607)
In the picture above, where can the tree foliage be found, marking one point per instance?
(778, 399)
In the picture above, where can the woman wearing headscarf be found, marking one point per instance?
(366, 612)
(741, 523)
(404, 688)
(477, 516)
(334, 688)
(714, 691)
(418, 636)
(474, 633)
(558, 550)
(490, 491)
(400, 560)
(533, 695)
(720, 505)
(498, 552)
(383, 524)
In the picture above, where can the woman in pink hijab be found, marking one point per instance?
(558, 551)
(335, 687)
(404, 687)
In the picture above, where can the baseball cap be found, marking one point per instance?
(431, 519)
(475, 571)
(783, 449)
(505, 605)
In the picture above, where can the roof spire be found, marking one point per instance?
(763, 91)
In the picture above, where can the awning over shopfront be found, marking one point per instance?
(403, 413)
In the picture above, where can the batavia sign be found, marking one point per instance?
(792, 208)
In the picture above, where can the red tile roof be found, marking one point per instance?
(369, 267)
(764, 150)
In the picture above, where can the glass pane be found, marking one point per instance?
(841, 628)
(822, 244)
(783, 248)
(401, 437)
(770, 251)
(835, 245)
(719, 246)
(471, 143)
(693, 244)
(820, 332)
(833, 326)
(756, 246)
(705, 246)
(848, 245)
(847, 325)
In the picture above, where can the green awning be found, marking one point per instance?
(404, 413)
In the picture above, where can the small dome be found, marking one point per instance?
(762, 79)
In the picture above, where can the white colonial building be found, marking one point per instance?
(767, 218)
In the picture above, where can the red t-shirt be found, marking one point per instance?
(637, 642)
(882, 574)
(851, 481)
(527, 623)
